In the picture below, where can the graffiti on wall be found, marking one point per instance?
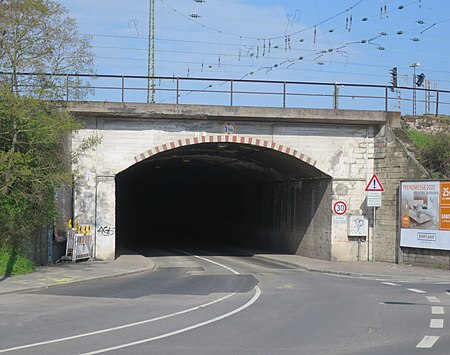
(106, 230)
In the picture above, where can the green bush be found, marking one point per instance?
(13, 263)
(434, 151)
(436, 155)
(420, 139)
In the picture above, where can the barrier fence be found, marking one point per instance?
(79, 244)
(229, 92)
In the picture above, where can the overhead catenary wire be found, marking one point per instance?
(267, 38)
(230, 44)
(250, 48)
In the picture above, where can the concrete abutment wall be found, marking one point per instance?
(348, 146)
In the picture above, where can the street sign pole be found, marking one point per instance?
(374, 189)
(373, 232)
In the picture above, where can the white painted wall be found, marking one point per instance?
(344, 152)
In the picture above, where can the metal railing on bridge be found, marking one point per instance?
(243, 92)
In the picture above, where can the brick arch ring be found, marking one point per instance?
(222, 139)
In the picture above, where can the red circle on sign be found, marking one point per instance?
(340, 207)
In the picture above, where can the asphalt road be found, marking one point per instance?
(228, 304)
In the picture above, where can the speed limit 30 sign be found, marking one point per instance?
(340, 207)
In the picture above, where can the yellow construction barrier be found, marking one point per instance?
(79, 242)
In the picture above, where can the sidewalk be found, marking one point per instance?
(127, 264)
(65, 273)
(379, 270)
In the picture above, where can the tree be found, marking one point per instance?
(36, 36)
(34, 166)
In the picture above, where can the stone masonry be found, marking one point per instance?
(349, 146)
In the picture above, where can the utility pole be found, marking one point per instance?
(428, 95)
(414, 66)
(151, 54)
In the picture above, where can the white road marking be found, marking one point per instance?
(390, 284)
(288, 286)
(427, 342)
(437, 323)
(237, 310)
(433, 299)
(216, 263)
(416, 290)
(437, 310)
(118, 327)
(392, 280)
(248, 304)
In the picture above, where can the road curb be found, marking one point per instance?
(354, 274)
(323, 271)
(150, 267)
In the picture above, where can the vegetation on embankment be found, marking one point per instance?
(431, 146)
(36, 36)
(13, 263)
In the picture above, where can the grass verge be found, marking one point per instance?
(12, 263)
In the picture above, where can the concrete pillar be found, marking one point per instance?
(105, 218)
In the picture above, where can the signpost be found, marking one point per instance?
(374, 189)
(373, 199)
(374, 184)
(229, 128)
(339, 208)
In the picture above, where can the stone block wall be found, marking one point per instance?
(288, 217)
(341, 142)
(393, 163)
(426, 257)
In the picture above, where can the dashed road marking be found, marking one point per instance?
(437, 323)
(427, 342)
(390, 283)
(416, 290)
(391, 280)
(437, 310)
(288, 286)
(433, 299)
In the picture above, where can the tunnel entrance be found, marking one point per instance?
(225, 193)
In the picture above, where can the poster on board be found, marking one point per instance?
(425, 214)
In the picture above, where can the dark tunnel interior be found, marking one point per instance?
(225, 194)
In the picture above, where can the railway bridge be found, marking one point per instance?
(252, 176)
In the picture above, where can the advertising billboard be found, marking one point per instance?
(425, 214)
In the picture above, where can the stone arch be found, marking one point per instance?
(225, 139)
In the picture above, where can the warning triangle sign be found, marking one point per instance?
(374, 184)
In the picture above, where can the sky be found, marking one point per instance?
(345, 41)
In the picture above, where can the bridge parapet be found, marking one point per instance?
(238, 113)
